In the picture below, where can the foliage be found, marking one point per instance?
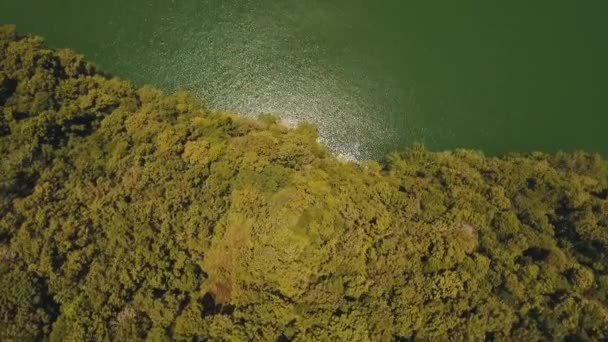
(128, 214)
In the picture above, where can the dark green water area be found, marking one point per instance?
(375, 76)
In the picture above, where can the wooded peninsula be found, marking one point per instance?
(129, 214)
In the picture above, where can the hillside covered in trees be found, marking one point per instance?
(128, 214)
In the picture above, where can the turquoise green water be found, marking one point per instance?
(373, 75)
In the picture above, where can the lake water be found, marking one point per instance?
(374, 75)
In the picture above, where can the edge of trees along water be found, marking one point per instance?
(129, 214)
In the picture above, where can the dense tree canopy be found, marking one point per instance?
(128, 214)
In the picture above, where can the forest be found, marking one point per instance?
(128, 214)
